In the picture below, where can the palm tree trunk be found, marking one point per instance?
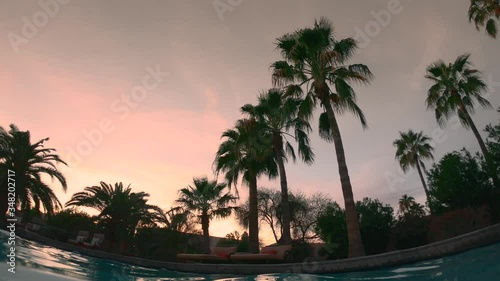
(25, 206)
(3, 209)
(253, 216)
(286, 237)
(115, 234)
(205, 222)
(489, 161)
(356, 247)
(427, 194)
(4, 203)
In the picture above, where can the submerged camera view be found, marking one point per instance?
(340, 140)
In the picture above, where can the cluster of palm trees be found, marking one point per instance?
(456, 89)
(121, 211)
(408, 207)
(315, 70)
(314, 73)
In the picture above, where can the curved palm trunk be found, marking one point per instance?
(489, 161)
(253, 216)
(275, 235)
(205, 223)
(356, 247)
(286, 236)
(427, 194)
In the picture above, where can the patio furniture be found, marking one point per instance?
(268, 253)
(217, 254)
(80, 237)
(35, 224)
(96, 241)
(33, 227)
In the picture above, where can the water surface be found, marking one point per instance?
(35, 261)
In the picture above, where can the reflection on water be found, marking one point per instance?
(39, 262)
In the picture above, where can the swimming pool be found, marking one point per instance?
(36, 261)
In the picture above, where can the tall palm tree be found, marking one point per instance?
(314, 58)
(207, 200)
(485, 13)
(278, 115)
(456, 90)
(411, 149)
(120, 210)
(246, 151)
(29, 161)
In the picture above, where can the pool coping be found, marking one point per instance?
(483, 237)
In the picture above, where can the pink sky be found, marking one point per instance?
(65, 80)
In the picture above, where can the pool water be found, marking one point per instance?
(36, 261)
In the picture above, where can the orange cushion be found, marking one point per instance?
(223, 251)
(269, 251)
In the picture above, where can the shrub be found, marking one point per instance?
(411, 232)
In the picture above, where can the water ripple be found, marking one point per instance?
(36, 260)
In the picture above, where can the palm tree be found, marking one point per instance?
(411, 149)
(278, 115)
(485, 13)
(176, 219)
(409, 207)
(29, 161)
(245, 151)
(207, 200)
(405, 203)
(314, 58)
(121, 211)
(456, 90)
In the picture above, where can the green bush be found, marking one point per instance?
(232, 240)
(375, 222)
(412, 232)
(71, 221)
(224, 242)
(459, 180)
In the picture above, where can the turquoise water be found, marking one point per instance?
(39, 262)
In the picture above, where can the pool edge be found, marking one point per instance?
(479, 238)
